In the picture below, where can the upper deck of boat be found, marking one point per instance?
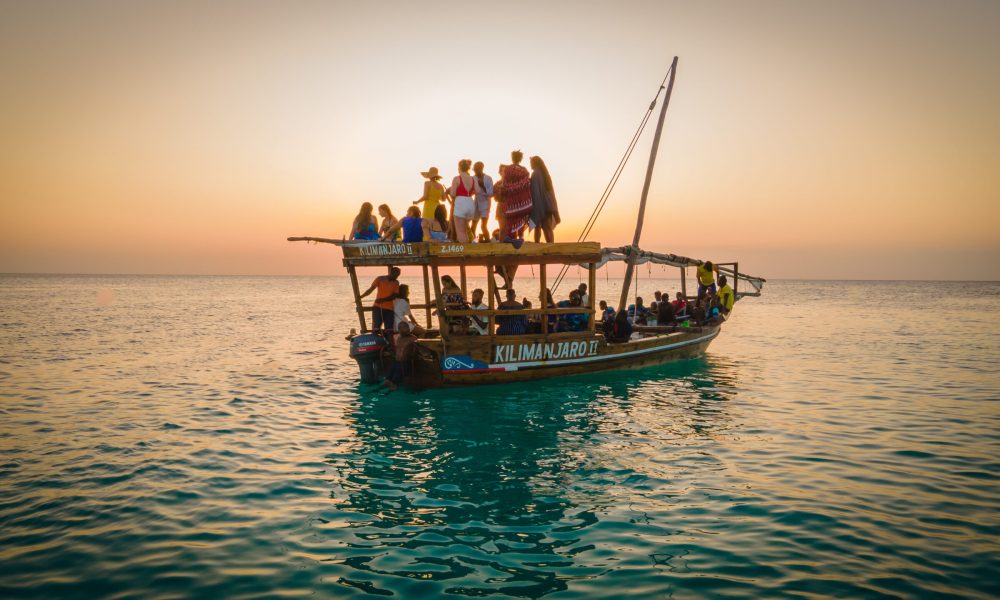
(374, 254)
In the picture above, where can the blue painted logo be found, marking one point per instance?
(462, 363)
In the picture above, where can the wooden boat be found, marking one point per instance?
(445, 358)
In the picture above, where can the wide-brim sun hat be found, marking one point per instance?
(431, 173)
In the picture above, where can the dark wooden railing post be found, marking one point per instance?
(357, 299)
(427, 296)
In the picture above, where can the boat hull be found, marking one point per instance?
(528, 359)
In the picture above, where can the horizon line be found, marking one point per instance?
(56, 274)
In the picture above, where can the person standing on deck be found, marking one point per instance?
(516, 197)
(544, 210)
(706, 277)
(484, 190)
(382, 310)
(498, 198)
(463, 189)
(434, 193)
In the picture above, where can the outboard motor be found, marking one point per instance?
(367, 350)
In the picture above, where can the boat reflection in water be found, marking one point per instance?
(518, 489)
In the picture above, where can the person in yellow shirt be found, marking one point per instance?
(706, 277)
(726, 295)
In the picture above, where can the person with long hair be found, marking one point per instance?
(544, 210)
(434, 193)
(516, 197)
(365, 226)
(437, 228)
(463, 189)
(388, 222)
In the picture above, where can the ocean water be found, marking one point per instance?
(208, 437)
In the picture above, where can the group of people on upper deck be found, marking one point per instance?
(524, 201)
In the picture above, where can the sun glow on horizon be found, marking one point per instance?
(154, 139)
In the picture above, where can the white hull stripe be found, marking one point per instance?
(602, 357)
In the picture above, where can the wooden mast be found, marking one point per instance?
(634, 254)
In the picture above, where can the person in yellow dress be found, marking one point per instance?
(706, 277)
(434, 194)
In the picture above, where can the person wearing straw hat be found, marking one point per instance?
(434, 192)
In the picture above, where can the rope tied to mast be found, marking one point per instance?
(602, 201)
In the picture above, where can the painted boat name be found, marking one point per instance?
(385, 249)
(508, 353)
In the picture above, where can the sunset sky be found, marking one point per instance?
(805, 139)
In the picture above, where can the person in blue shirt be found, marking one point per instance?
(572, 321)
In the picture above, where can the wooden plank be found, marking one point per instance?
(522, 311)
(427, 296)
(543, 297)
(357, 299)
(491, 285)
(442, 323)
(684, 286)
(592, 294)
(463, 279)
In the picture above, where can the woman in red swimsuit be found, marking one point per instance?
(463, 190)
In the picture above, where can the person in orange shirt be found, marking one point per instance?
(387, 286)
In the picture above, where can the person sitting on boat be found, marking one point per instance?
(388, 221)
(665, 313)
(403, 353)
(411, 225)
(477, 325)
(544, 209)
(437, 227)
(571, 321)
(680, 305)
(512, 324)
(706, 277)
(401, 310)
(534, 321)
(657, 297)
(453, 299)
(638, 312)
(516, 197)
(484, 192)
(620, 330)
(365, 226)
(388, 287)
(700, 311)
(726, 295)
(651, 315)
(434, 194)
(584, 296)
(607, 313)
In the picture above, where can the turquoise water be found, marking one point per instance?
(198, 436)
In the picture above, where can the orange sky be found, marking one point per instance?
(828, 140)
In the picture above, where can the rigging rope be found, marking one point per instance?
(588, 227)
